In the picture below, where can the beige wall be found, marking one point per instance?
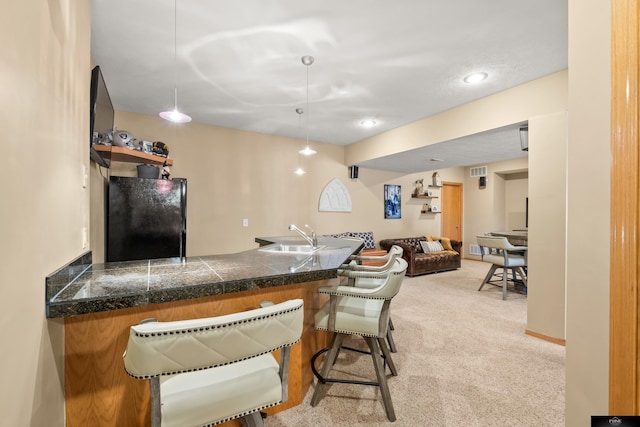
(516, 192)
(588, 187)
(547, 224)
(45, 130)
(486, 208)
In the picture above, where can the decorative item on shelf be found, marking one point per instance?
(160, 149)
(419, 187)
(175, 115)
(123, 138)
(429, 193)
(437, 182)
(146, 146)
(426, 208)
(435, 208)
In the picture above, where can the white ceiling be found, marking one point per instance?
(238, 64)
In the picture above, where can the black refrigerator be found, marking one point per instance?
(146, 218)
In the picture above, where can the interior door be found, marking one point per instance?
(452, 210)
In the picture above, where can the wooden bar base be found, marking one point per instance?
(98, 391)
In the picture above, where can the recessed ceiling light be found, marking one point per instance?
(435, 159)
(368, 123)
(475, 78)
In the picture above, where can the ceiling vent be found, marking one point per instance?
(478, 171)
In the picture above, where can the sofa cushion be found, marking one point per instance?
(429, 247)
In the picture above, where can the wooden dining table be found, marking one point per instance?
(515, 237)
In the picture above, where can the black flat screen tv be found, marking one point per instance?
(101, 117)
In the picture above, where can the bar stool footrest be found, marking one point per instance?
(324, 380)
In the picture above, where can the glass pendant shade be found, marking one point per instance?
(307, 151)
(175, 116)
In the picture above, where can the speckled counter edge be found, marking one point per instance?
(57, 282)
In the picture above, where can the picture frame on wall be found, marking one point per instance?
(392, 201)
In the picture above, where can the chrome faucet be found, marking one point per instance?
(313, 240)
(312, 258)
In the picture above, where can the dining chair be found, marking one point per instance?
(503, 255)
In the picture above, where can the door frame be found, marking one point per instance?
(624, 392)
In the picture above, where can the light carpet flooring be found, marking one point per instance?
(463, 360)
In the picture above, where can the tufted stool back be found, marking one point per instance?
(211, 370)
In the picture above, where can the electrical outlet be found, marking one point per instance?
(245, 222)
(85, 176)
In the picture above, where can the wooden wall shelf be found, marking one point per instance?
(122, 154)
(413, 196)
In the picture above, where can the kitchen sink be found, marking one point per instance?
(290, 249)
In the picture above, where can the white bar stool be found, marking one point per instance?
(212, 370)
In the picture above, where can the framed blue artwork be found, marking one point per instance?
(392, 202)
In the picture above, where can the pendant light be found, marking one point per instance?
(299, 171)
(175, 115)
(307, 151)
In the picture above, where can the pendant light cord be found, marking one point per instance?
(307, 116)
(307, 60)
(174, 115)
(175, 54)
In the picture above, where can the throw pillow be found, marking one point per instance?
(369, 243)
(445, 241)
(338, 235)
(428, 247)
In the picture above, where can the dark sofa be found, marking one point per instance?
(423, 263)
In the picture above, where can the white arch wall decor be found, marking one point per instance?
(335, 197)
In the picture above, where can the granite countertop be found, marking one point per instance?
(82, 287)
